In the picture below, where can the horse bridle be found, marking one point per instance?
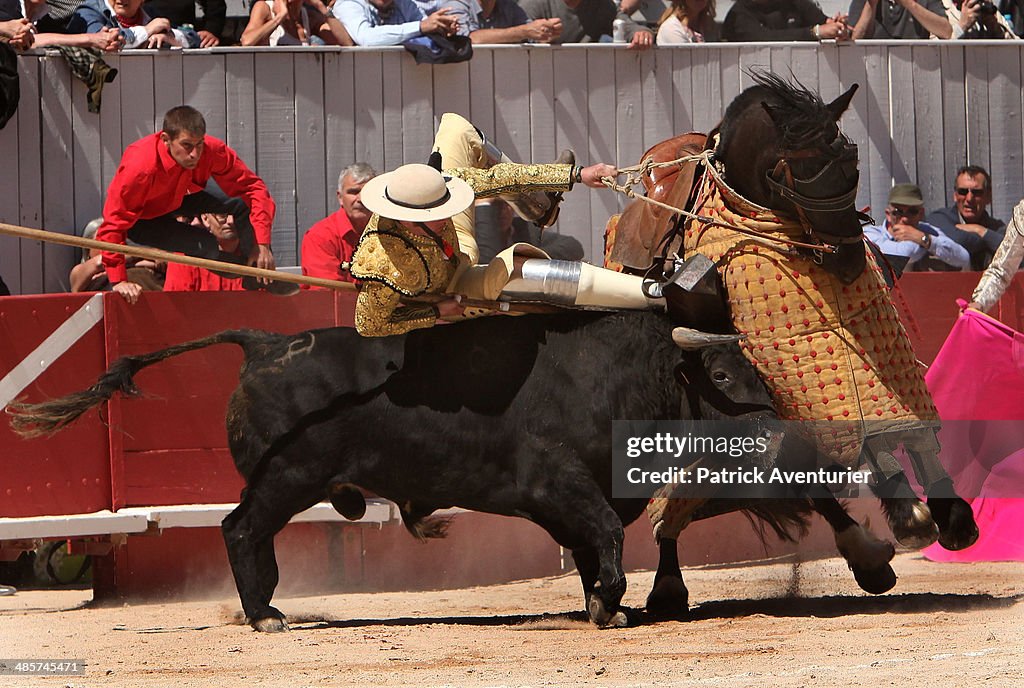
(782, 182)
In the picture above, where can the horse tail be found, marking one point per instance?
(787, 518)
(48, 417)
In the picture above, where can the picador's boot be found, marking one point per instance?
(541, 207)
(538, 207)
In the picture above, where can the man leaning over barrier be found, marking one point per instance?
(164, 176)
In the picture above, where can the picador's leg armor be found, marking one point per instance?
(573, 283)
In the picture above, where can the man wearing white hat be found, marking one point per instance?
(420, 238)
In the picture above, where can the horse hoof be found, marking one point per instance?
(957, 539)
(959, 531)
(669, 599)
(918, 530)
(273, 622)
(875, 581)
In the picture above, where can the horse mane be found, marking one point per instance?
(801, 113)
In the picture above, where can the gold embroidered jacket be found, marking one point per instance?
(392, 262)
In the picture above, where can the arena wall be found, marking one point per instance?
(168, 448)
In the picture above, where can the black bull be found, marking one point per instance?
(506, 415)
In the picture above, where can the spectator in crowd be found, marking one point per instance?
(391, 22)
(293, 22)
(189, 278)
(51, 16)
(4, 291)
(428, 7)
(91, 275)
(421, 237)
(165, 175)
(1004, 265)
(497, 228)
(23, 35)
(967, 221)
(1014, 9)
(887, 19)
(645, 12)
(970, 19)
(137, 29)
(689, 21)
(905, 240)
(328, 246)
(782, 20)
(588, 21)
(14, 28)
(183, 12)
(501, 21)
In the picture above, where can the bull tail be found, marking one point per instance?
(48, 417)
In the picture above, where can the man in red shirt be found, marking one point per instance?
(328, 246)
(163, 176)
(188, 278)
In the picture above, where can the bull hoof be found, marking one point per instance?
(959, 530)
(918, 530)
(273, 622)
(669, 598)
(618, 620)
(875, 581)
(601, 617)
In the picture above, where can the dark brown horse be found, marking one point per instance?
(779, 146)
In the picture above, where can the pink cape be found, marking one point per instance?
(978, 376)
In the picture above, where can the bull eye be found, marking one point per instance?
(720, 376)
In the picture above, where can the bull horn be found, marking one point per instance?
(690, 340)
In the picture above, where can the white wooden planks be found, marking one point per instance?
(572, 130)
(58, 173)
(275, 145)
(339, 112)
(1004, 126)
(311, 175)
(298, 117)
(10, 179)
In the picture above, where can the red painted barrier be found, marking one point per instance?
(70, 472)
(170, 446)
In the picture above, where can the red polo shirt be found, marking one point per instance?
(188, 278)
(149, 183)
(328, 244)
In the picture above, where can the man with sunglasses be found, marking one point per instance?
(905, 240)
(967, 221)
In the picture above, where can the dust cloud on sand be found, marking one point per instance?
(779, 624)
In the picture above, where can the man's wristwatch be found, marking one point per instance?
(926, 242)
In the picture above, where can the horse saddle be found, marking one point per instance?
(633, 238)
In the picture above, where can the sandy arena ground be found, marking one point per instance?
(778, 625)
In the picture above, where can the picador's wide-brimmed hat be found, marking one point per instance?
(417, 193)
